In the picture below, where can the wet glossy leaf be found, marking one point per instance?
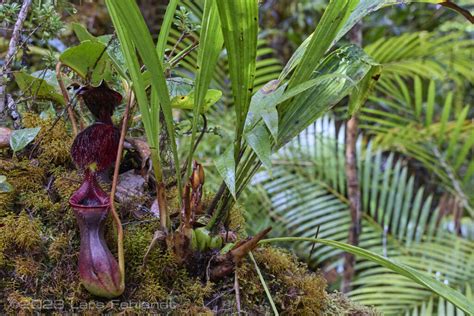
(362, 9)
(37, 88)
(88, 60)
(49, 113)
(260, 140)
(113, 50)
(263, 106)
(225, 165)
(335, 78)
(22, 137)
(364, 89)
(50, 77)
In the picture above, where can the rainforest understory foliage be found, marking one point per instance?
(226, 157)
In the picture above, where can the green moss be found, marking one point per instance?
(39, 202)
(293, 288)
(21, 232)
(6, 203)
(172, 199)
(236, 220)
(26, 267)
(17, 301)
(55, 141)
(58, 247)
(339, 304)
(24, 175)
(66, 182)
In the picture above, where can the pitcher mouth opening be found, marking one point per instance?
(89, 195)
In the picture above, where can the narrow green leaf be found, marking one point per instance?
(437, 287)
(362, 91)
(140, 89)
(445, 117)
(239, 21)
(260, 140)
(264, 284)
(402, 87)
(165, 28)
(128, 13)
(211, 41)
(334, 17)
(22, 137)
(418, 96)
(462, 155)
(454, 138)
(225, 165)
(430, 103)
(356, 11)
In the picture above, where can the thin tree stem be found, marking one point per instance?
(353, 189)
(12, 49)
(113, 211)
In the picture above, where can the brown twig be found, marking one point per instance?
(183, 55)
(458, 9)
(12, 48)
(353, 187)
(113, 210)
(66, 98)
(180, 39)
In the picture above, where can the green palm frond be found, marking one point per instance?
(421, 126)
(425, 54)
(443, 307)
(448, 258)
(306, 191)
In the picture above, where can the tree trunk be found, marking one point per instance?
(352, 183)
